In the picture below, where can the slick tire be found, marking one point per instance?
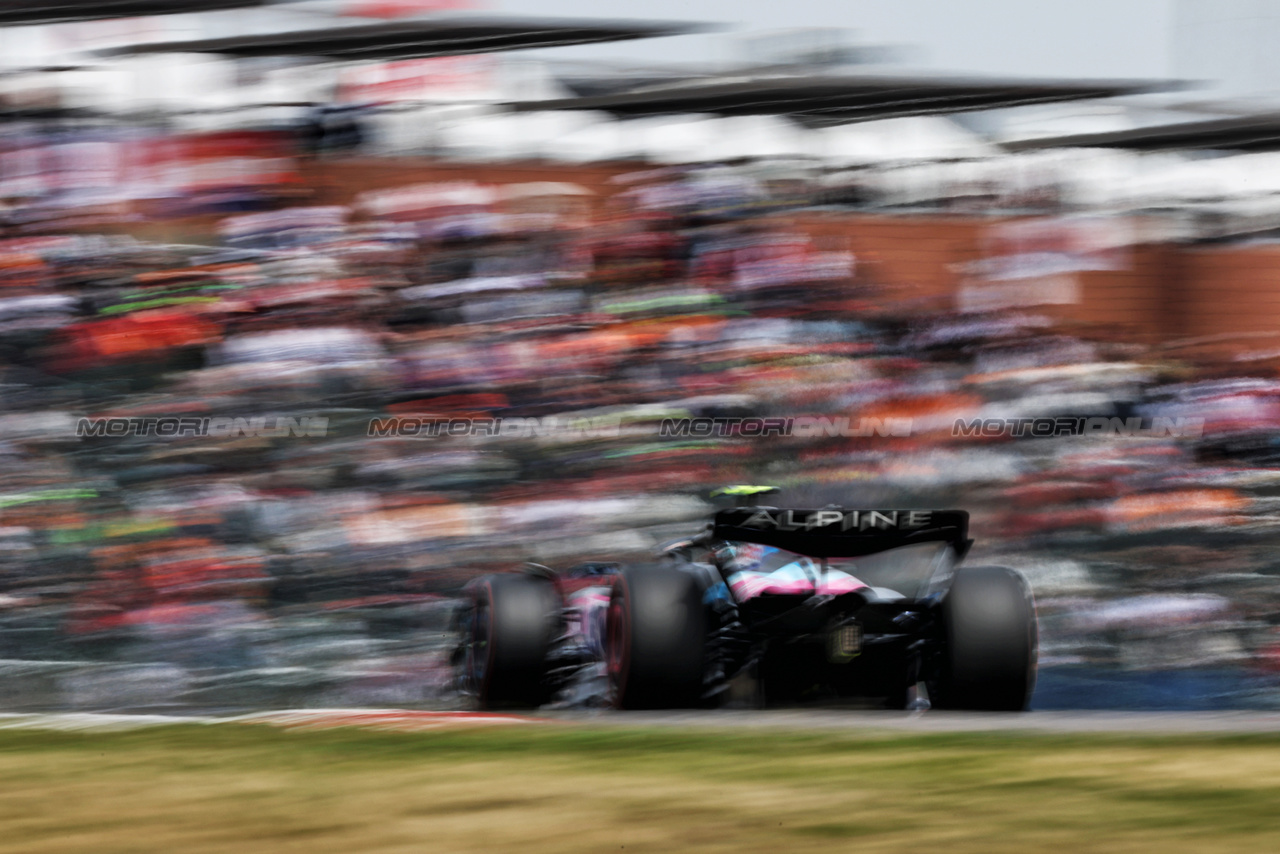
(656, 638)
(990, 641)
(514, 620)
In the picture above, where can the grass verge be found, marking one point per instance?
(563, 788)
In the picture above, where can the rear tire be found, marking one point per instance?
(656, 638)
(990, 640)
(514, 619)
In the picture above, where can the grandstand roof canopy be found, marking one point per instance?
(818, 100)
(1257, 132)
(420, 37)
(21, 12)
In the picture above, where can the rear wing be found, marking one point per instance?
(838, 532)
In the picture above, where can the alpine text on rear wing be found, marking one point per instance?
(839, 532)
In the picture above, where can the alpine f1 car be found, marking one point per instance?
(826, 604)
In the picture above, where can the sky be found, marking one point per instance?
(1073, 38)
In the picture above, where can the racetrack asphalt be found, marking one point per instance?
(1121, 722)
(940, 721)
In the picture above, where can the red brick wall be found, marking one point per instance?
(1231, 291)
(916, 257)
(340, 181)
(1140, 303)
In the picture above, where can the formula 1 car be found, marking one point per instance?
(826, 604)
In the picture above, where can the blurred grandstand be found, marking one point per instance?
(452, 240)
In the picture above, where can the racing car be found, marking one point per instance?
(821, 604)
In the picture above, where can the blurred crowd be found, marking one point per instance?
(279, 566)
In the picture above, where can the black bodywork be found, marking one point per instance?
(864, 644)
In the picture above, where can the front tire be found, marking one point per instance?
(990, 641)
(656, 638)
(513, 620)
